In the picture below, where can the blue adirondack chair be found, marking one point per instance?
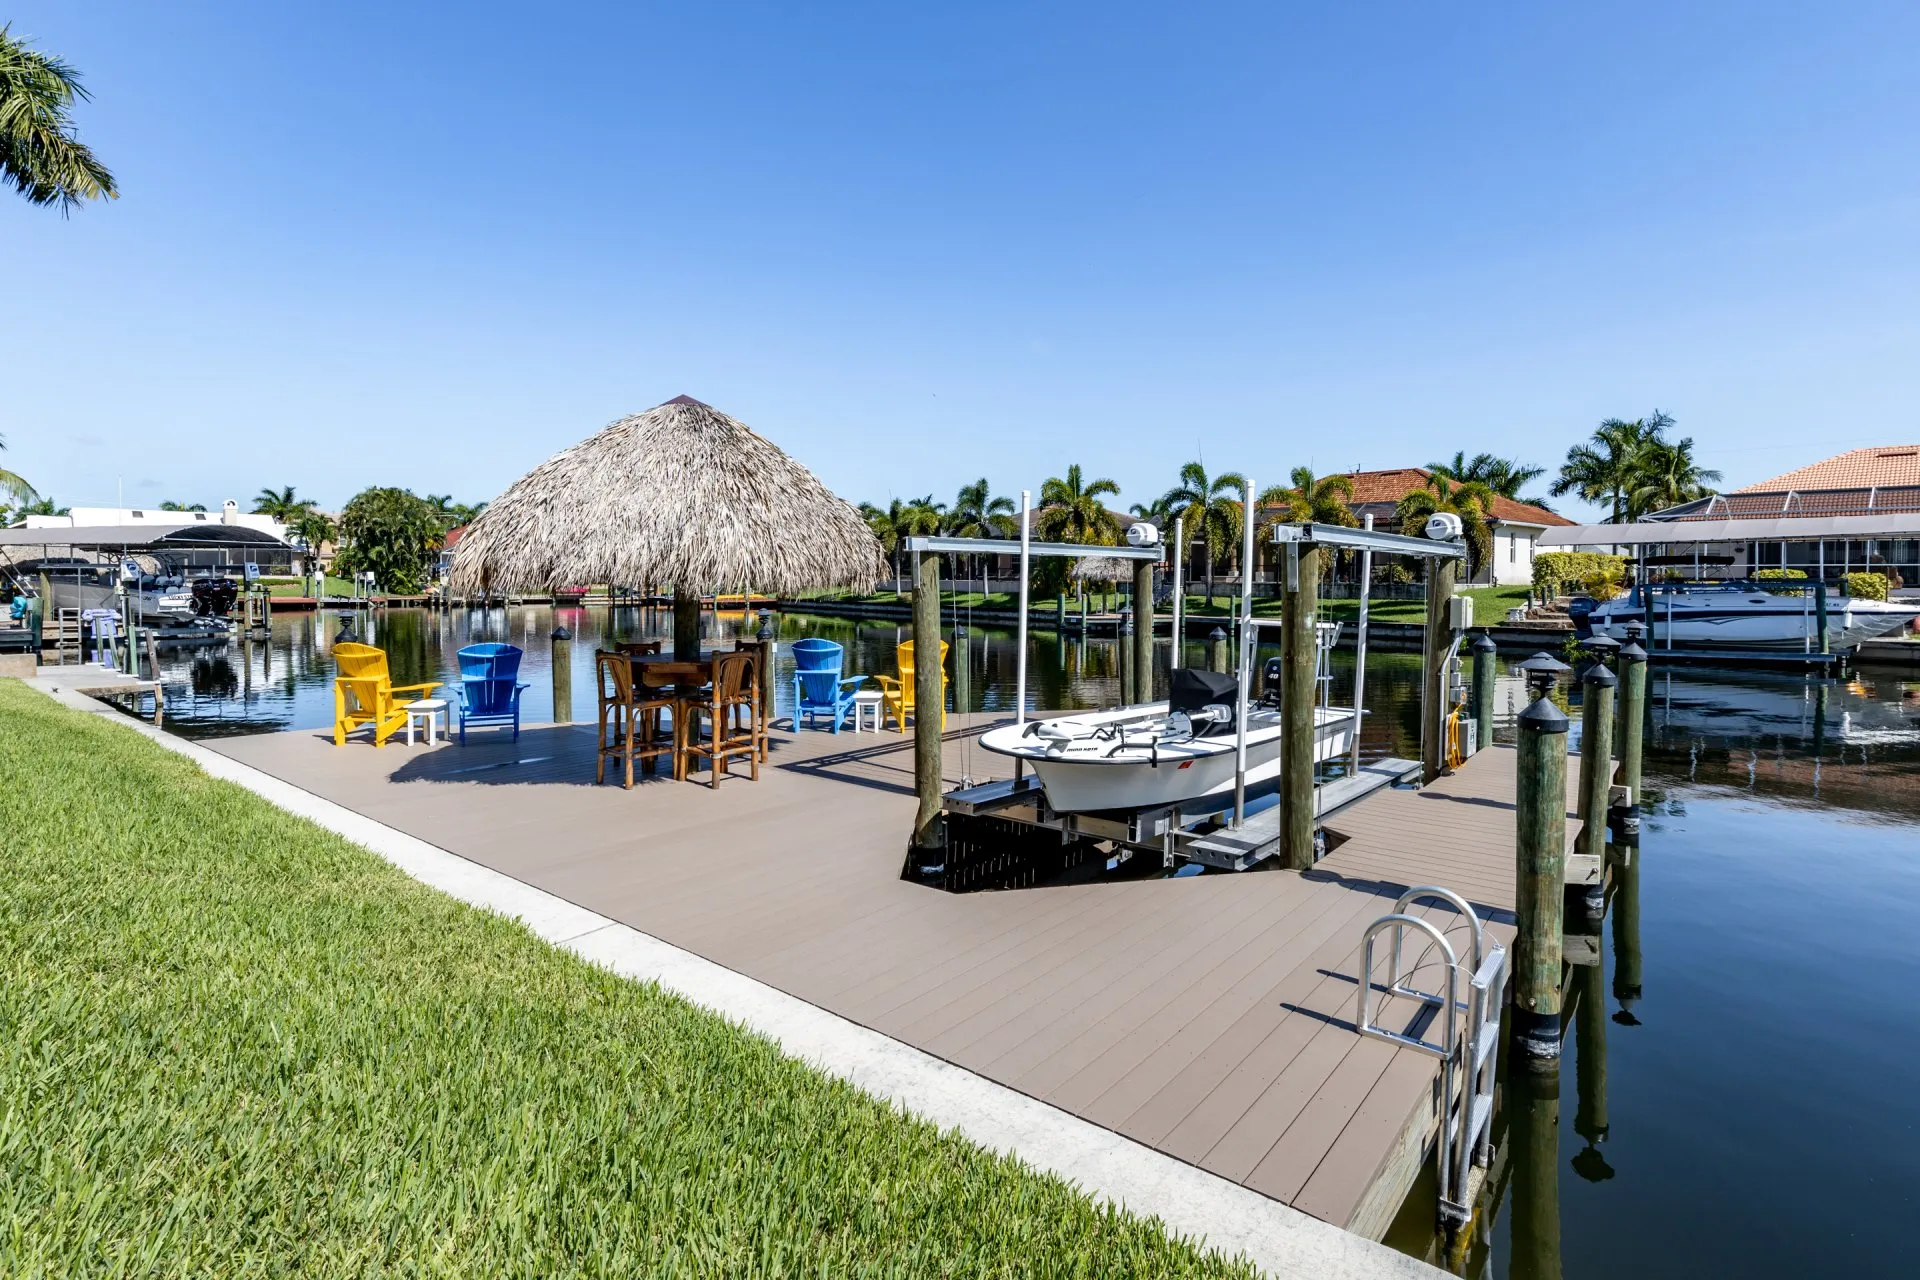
(818, 687)
(489, 693)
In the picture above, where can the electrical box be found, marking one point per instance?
(1460, 613)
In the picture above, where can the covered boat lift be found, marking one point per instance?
(951, 827)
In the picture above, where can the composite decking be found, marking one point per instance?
(1208, 1017)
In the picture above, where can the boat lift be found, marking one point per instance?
(986, 832)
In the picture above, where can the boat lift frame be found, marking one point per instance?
(1169, 829)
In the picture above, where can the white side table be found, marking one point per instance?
(866, 707)
(429, 713)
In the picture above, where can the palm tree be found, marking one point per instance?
(39, 155)
(900, 521)
(1211, 508)
(1665, 475)
(15, 486)
(313, 528)
(171, 505)
(1321, 499)
(1071, 510)
(1602, 470)
(282, 505)
(1504, 476)
(42, 507)
(1471, 500)
(977, 513)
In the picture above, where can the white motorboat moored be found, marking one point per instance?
(1159, 753)
(1744, 615)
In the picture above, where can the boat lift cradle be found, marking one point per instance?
(1192, 831)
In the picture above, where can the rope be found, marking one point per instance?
(1456, 746)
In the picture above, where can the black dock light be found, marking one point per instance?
(1543, 671)
(346, 634)
(766, 625)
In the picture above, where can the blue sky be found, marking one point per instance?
(431, 244)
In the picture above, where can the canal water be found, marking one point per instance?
(1741, 1088)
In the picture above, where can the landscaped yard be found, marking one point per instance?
(234, 1044)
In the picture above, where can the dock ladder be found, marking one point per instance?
(1467, 1054)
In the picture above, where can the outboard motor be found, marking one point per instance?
(214, 597)
(1208, 697)
(1270, 682)
(1580, 609)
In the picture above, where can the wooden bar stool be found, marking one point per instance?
(735, 688)
(631, 709)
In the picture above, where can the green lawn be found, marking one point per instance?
(1490, 605)
(302, 586)
(233, 1044)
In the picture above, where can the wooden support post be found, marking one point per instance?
(686, 625)
(1484, 663)
(1060, 611)
(1590, 1046)
(1535, 1099)
(1433, 701)
(1596, 757)
(1217, 659)
(1540, 808)
(1143, 631)
(928, 698)
(562, 676)
(1123, 655)
(1630, 723)
(1298, 650)
(1820, 615)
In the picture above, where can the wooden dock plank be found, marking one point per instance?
(1210, 1017)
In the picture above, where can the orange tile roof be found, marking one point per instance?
(1385, 488)
(1885, 466)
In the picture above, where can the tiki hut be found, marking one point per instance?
(681, 497)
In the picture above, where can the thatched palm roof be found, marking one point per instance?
(680, 497)
(1103, 569)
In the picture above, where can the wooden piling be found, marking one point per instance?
(1060, 611)
(1217, 658)
(1484, 663)
(1596, 757)
(562, 676)
(1630, 723)
(1441, 577)
(1820, 615)
(1143, 631)
(928, 698)
(962, 672)
(1298, 649)
(1540, 806)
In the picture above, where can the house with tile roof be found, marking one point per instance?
(1517, 526)
(1858, 510)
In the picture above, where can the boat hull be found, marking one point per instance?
(1187, 773)
(1741, 620)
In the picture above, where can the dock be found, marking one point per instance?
(1207, 1017)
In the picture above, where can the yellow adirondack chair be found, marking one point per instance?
(364, 694)
(896, 692)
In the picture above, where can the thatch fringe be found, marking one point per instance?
(681, 496)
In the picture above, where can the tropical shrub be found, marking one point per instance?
(1867, 586)
(1602, 584)
(1765, 576)
(1553, 570)
(395, 533)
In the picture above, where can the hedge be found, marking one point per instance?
(1867, 586)
(1555, 569)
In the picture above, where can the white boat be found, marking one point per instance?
(1158, 753)
(1744, 615)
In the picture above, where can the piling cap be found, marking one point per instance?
(1597, 674)
(1483, 643)
(1543, 666)
(1541, 716)
(1633, 653)
(561, 633)
(1217, 634)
